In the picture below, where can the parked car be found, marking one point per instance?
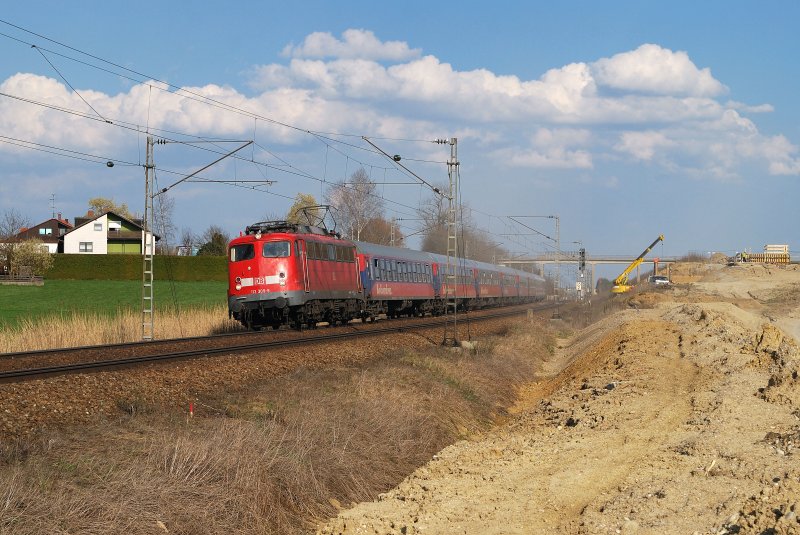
(658, 280)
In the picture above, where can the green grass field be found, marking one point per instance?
(66, 297)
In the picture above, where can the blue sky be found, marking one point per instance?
(627, 120)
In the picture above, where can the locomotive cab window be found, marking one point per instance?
(245, 251)
(276, 249)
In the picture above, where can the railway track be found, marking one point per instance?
(38, 372)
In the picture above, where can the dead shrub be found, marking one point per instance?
(125, 326)
(280, 455)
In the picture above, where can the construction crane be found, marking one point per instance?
(621, 282)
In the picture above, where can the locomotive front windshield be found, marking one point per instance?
(276, 249)
(241, 252)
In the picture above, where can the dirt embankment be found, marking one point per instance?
(679, 415)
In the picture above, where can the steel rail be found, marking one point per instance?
(35, 373)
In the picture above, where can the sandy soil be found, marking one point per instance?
(678, 415)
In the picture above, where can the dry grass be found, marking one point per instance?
(125, 326)
(273, 460)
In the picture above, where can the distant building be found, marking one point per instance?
(108, 233)
(187, 250)
(50, 232)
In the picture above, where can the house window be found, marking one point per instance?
(45, 231)
(98, 226)
(85, 247)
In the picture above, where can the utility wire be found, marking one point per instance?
(39, 50)
(201, 98)
(185, 92)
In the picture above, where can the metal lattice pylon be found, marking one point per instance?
(148, 245)
(451, 276)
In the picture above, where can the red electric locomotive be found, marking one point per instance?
(281, 272)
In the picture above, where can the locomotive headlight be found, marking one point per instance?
(282, 276)
(238, 287)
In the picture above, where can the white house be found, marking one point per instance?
(107, 233)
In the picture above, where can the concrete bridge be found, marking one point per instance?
(572, 258)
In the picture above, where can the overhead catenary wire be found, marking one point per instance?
(176, 89)
(132, 126)
(194, 95)
(69, 84)
(154, 83)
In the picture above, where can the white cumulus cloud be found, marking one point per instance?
(354, 43)
(653, 69)
(642, 145)
(649, 104)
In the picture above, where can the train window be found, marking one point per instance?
(276, 249)
(241, 252)
(297, 249)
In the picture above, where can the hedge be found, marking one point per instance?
(129, 267)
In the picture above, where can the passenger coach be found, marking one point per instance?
(284, 273)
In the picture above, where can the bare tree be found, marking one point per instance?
(472, 242)
(163, 226)
(379, 230)
(11, 224)
(187, 241)
(478, 245)
(433, 213)
(355, 203)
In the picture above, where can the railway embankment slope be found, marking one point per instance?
(680, 414)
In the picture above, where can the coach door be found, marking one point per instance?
(302, 261)
(357, 263)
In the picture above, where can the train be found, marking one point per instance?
(282, 273)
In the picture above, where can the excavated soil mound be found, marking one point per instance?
(680, 414)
